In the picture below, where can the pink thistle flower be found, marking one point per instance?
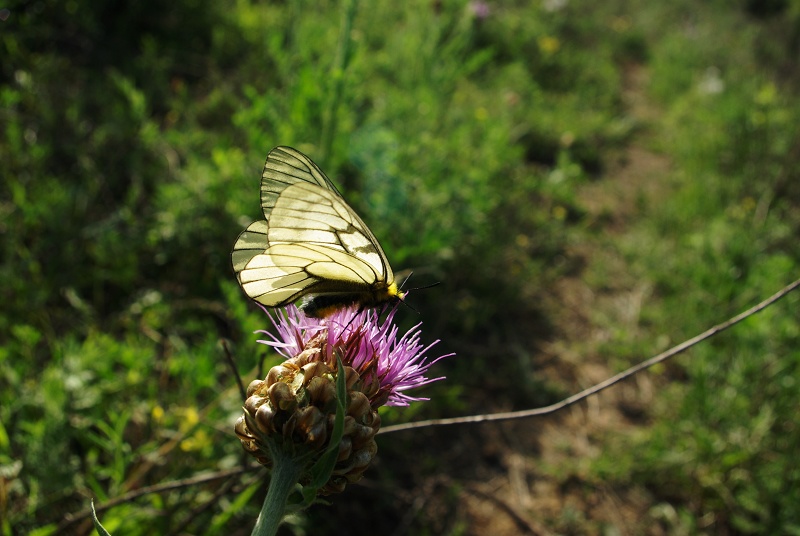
(370, 346)
(480, 9)
(289, 416)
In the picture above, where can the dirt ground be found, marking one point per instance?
(533, 492)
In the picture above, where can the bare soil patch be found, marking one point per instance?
(546, 481)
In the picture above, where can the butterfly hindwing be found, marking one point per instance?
(287, 271)
(251, 242)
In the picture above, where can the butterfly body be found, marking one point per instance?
(322, 305)
(311, 244)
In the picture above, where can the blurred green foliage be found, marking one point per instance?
(131, 145)
(727, 238)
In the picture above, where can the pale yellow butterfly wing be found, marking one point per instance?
(286, 272)
(312, 242)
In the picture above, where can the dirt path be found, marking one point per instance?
(547, 481)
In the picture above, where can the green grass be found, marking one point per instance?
(132, 144)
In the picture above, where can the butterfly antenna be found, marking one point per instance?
(404, 302)
(406, 280)
(417, 288)
(426, 286)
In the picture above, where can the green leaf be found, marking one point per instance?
(100, 529)
(223, 519)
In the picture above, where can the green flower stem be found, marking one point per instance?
(340, 63)
(285, 475)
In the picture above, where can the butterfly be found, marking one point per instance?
(310, 245)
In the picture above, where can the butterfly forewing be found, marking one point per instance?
(286, 166)
(310, 214)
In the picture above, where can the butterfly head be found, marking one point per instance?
(394, 294)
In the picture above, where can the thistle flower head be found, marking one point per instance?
(370, 346)
(295, 405)
(480, 9)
